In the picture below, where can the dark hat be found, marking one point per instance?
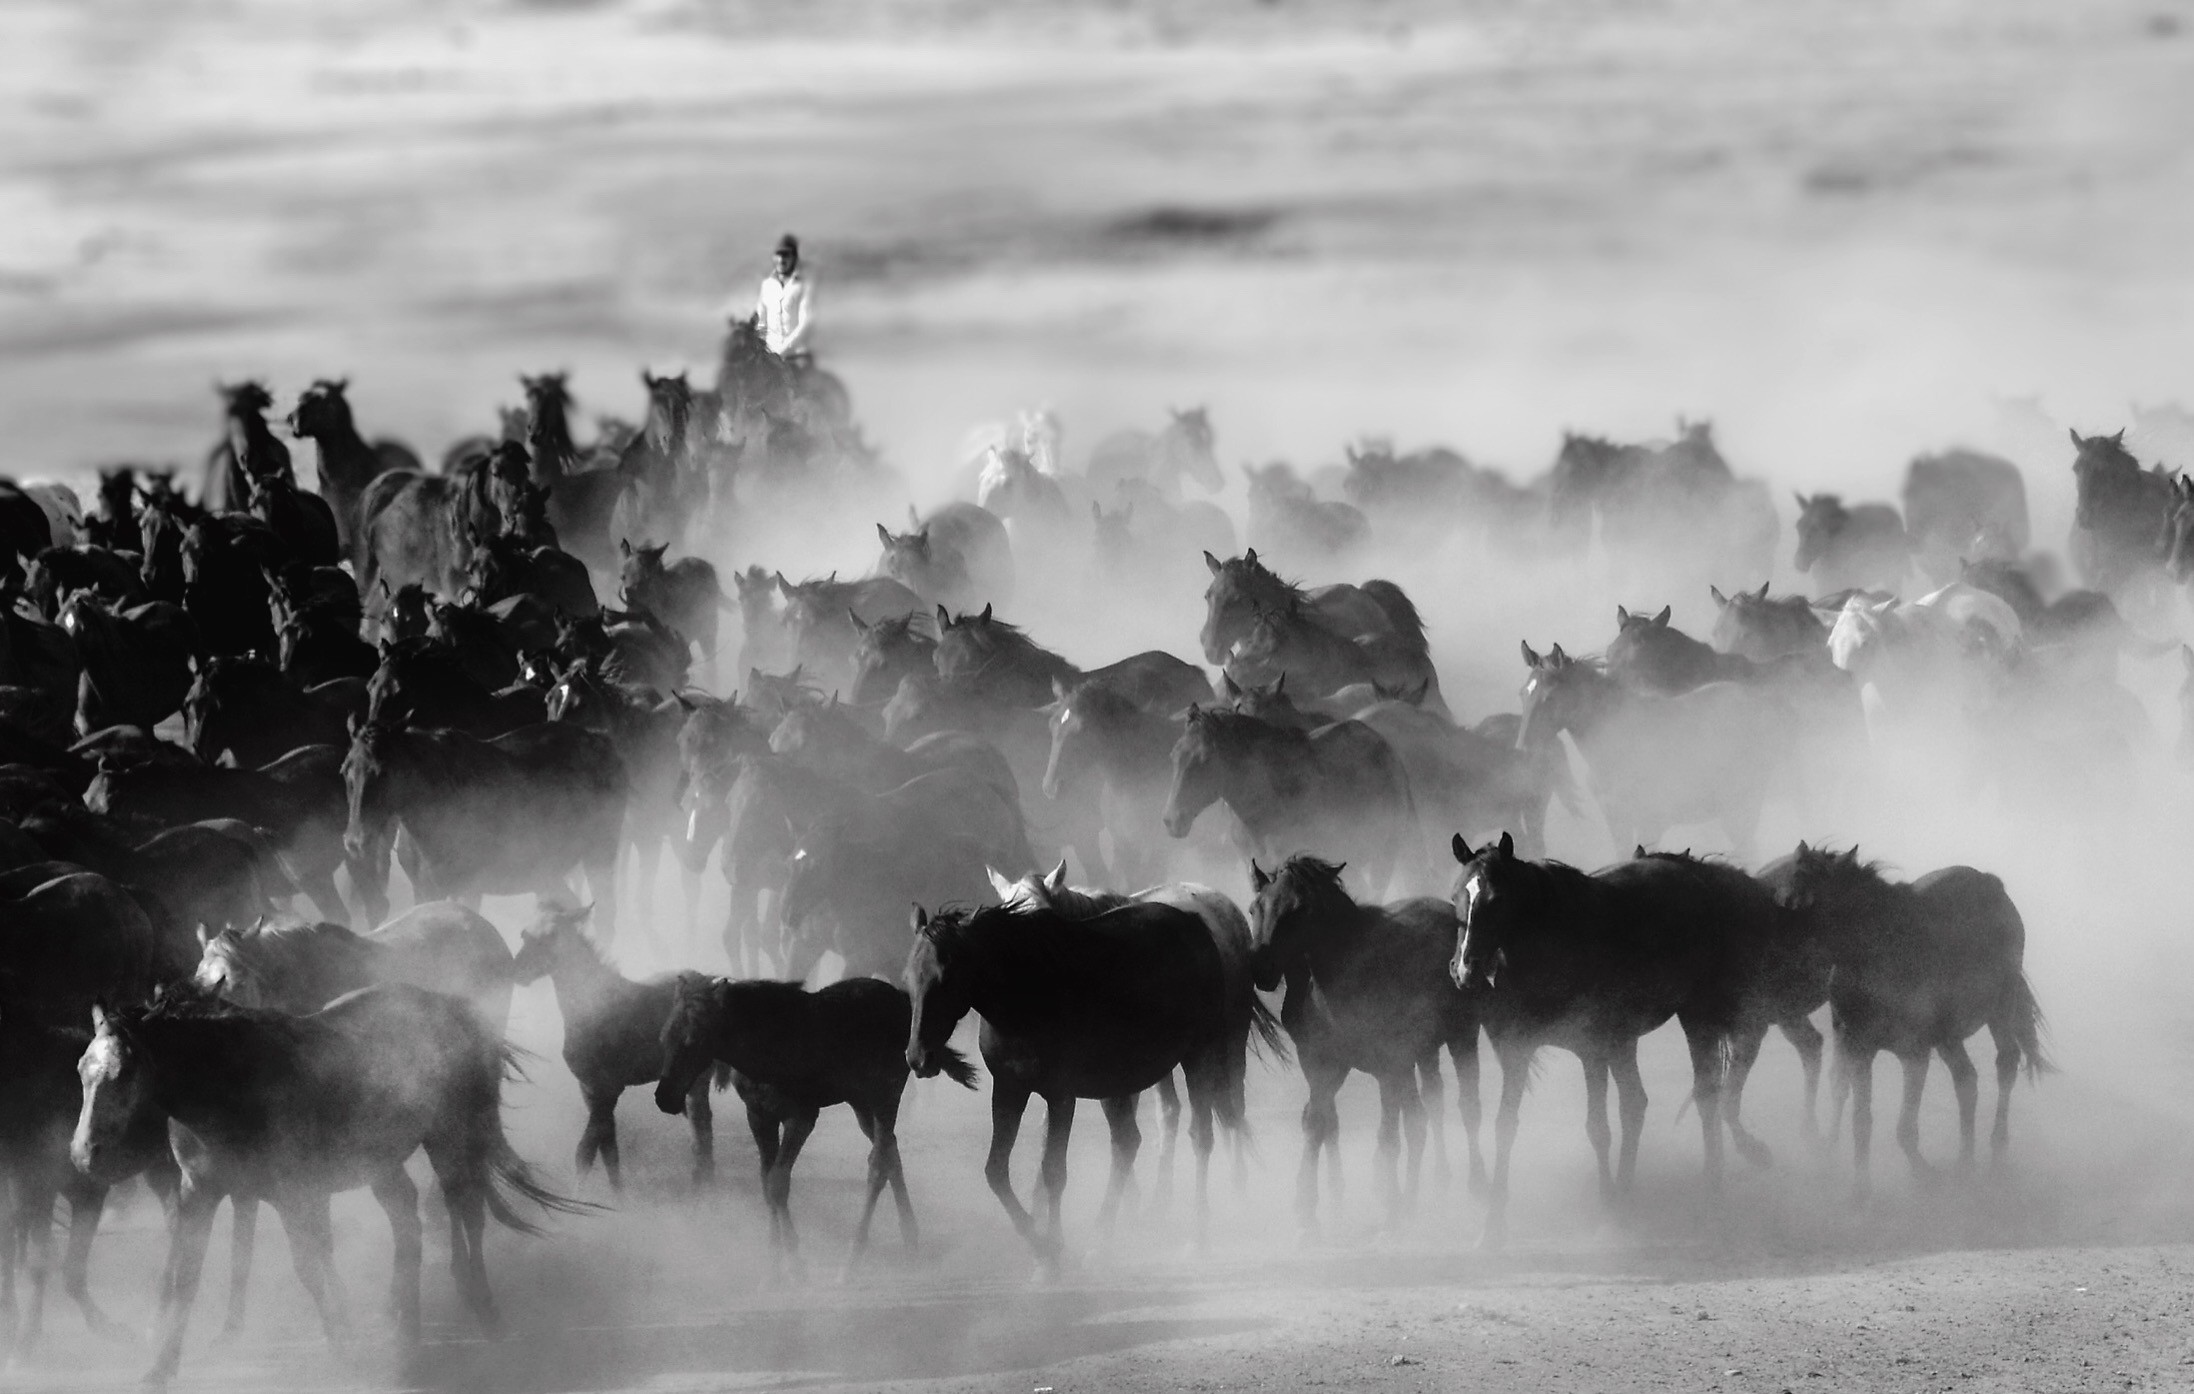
(789, 243)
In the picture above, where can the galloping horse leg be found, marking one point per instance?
(779, 1188)
(12, 1228)
(243, 1241)
(1966, 1081)
(1052, 1175)
(1709, 1047)
(879, 1124)
(1856, 1073)
(1805, 1038)
(1127, 1140)
(87, 1202)
(1630, 1102)
(599, 1137)
(464, 1182)
(1008, 1102)
(1744, 1052)
(1596, 1129)
(1407, 1110)
(186, 1261)
(702, 1117)
(1433, 1095)
(312, 1253)
(764, 1127)
(1515, 1075)
(1321, 1122)
(1908, 1117)
(2008, 1052)
(1465, 1058)
(399, 1199)
(1204, 1084)
(887, 1123)
(1169, 1136)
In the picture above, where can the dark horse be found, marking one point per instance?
(292, 1110)
(2120, 523)
(1240, 585)
(1917, 968)
(347, 463)
(1101, 1008)
(995, 659)
(1591, 963)
(1367, 989)
(793, 1053)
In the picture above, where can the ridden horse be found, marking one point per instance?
(613, 1030)
(1340, 789)
(297, 967)
(347, 463)
(1287, 642)
(1749, 625)
(1964, 504)
(291, 1110)
(1917, 968)
(791, 1054)
(1101, 1008)
(1240, 585)
(1862, 547)
(1001, 661)
(1367, 989)
(2123, 515)
(1591, 963)
(498, 817)
(1180, 449)
(1713, 754)
(959, 555)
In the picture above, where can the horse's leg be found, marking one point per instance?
(601, 869)
(1630, 1102)
(1857, 1070)
(1413, 1137)
(1465, 1058)
(312, 1253)
(32, 1245)
(179, 1281)
(1805, 1038)
(243, 1241)
(1205, 1079)
(764, 1127)
(600, 1137)
(1321, 1120)
(1709, 1046)
(1169, 1136)
(1596, 1129)
(1052, 1175)
(702, 1116)
(1966, 1082)
(1515, 1075)
(1908, 1117)
(797, 1128)
(1008, 1103)
(399, 1200)
(463, 1174)
(87, 1202)
(879, 1172)
(2008, 1052)
(14, 1224)
(1127, 1140)
(886, 1109)
(1432, 1095)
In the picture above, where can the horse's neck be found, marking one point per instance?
(1139, 746)
(584, 984)
(1247, 780)
(210, 1074)
(1338, 927)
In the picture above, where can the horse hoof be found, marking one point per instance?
(1755, 1151)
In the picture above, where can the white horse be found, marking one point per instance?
(1952, 645)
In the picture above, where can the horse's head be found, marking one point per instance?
(246, 401)
(1238, 585)
(1860, 632)
(2102, 469)
(700, 1007)
(1492, 898)
(322, 411)
(2176, 544)
(1561, 694)
(966, 643)
(1198, 760)
(375, 745)
(639, 567)
(670, 407)
(118, 1088)
(1750, 624)
(555, 941)
(1815, 881)
(227, 969)
(1287, 906)
(885, 651)
(1188, 445)
(1081, 715)
(1820, 518)
(408, 613)
(1640, 623)
(936, 979)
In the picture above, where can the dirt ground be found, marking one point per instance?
(1845, 231)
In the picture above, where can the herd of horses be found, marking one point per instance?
(218, 712)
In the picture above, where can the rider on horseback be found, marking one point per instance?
(782, 309)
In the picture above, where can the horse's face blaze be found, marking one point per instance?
(113, 1082)
(1478, 950)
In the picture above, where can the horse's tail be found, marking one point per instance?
(956, 1067)
(506, 1174)
(2024, 1026)
(1400, 612)
(1265, 1031)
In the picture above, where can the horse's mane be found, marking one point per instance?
(1254, 572)
(1314, 878)
(1228, 727)
(234, 1054)
(913, 626)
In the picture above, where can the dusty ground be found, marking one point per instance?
(1845, 231)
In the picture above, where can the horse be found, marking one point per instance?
(250, 709)
(136, 662)
(1240, 585)
(760, 806)
(248, 451)
(582, 497)
(502, 567)
(417, 529)
(1650, 655)
(1339, 790)
(296, 966)
(827, 738)
(430, 683)
(888, 651)
(1367, 989)
(293, 1109)
(498, 817)
(57, 572)
(1962, 504)
(684, 594)
(1101, 1008)
(1862, 547)
(1180, 449)
(1467, 780)
(225, 560)
(1713, 754)
(1749, 625)
(957, 556)
(1098, 733)
(1590, 963)
(819, 615)
(1288, 642)
(643, 728)
(1003, 662)
(1030, 502)
(630, 647)
(668, 483)
(764, 639)
(1431, 491)
(791, 1054)
(1677, 499)
(2122, 516)
(1286, 518)
(1954, 644)
(613, 1029)
(347, 463)
(303, 523)
(1918, 967)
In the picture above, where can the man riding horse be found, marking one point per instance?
(783, 307)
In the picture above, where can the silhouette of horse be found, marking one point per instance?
(136, 662)
(1367, 989)
(791, 1054)
(1180, 449)
(1101, 1008)
(819, 616)
(1963, 504)
(684, 594)
(764, 639)
(1338, 790)
(583, 496)
(643, 728)
(1862, 547)
(347, 464)
(294, 1109)
(1241, 585)
(249, 708)
(247, 452)
(57, 572)
(1101, 737)
(2122, 519)
(502, 567)
(1650, 655)
(430, 683)
(418, 529)
(998, 660)
(296, 966)
(887, 651)
(1677, 499)
(613, 1029)
(1287, 519)
(1469, 781)
(1917, 968)
(1749, 625)
(1287, 642)
(959, 555)
(1590, 963)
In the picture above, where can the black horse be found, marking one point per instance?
(793, 1053)
(2121, 522)
(1101, 1008)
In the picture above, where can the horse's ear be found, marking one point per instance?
(1637, 853)
(1802, 848)
(944, 618)
(884, 534)
(1531, 659)
(1507, 846)
(919, 919)
(985, 617)
(1716, 592)
(1257, 878)
(1622, 617)
(1660, 621)
(202, 935)
(684, 701)
(1057, 880)
(2076, 441)
(1250, 556)
(1279, 685)
(1801, 500)
(1763, 591)
(351, 724)
(998, 884)
(860, 626)
(2117, 439)
(98, 1019)
(624, 544)
(1460, 848)
(1210, 561)
(1556, 657)
(784, 587)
